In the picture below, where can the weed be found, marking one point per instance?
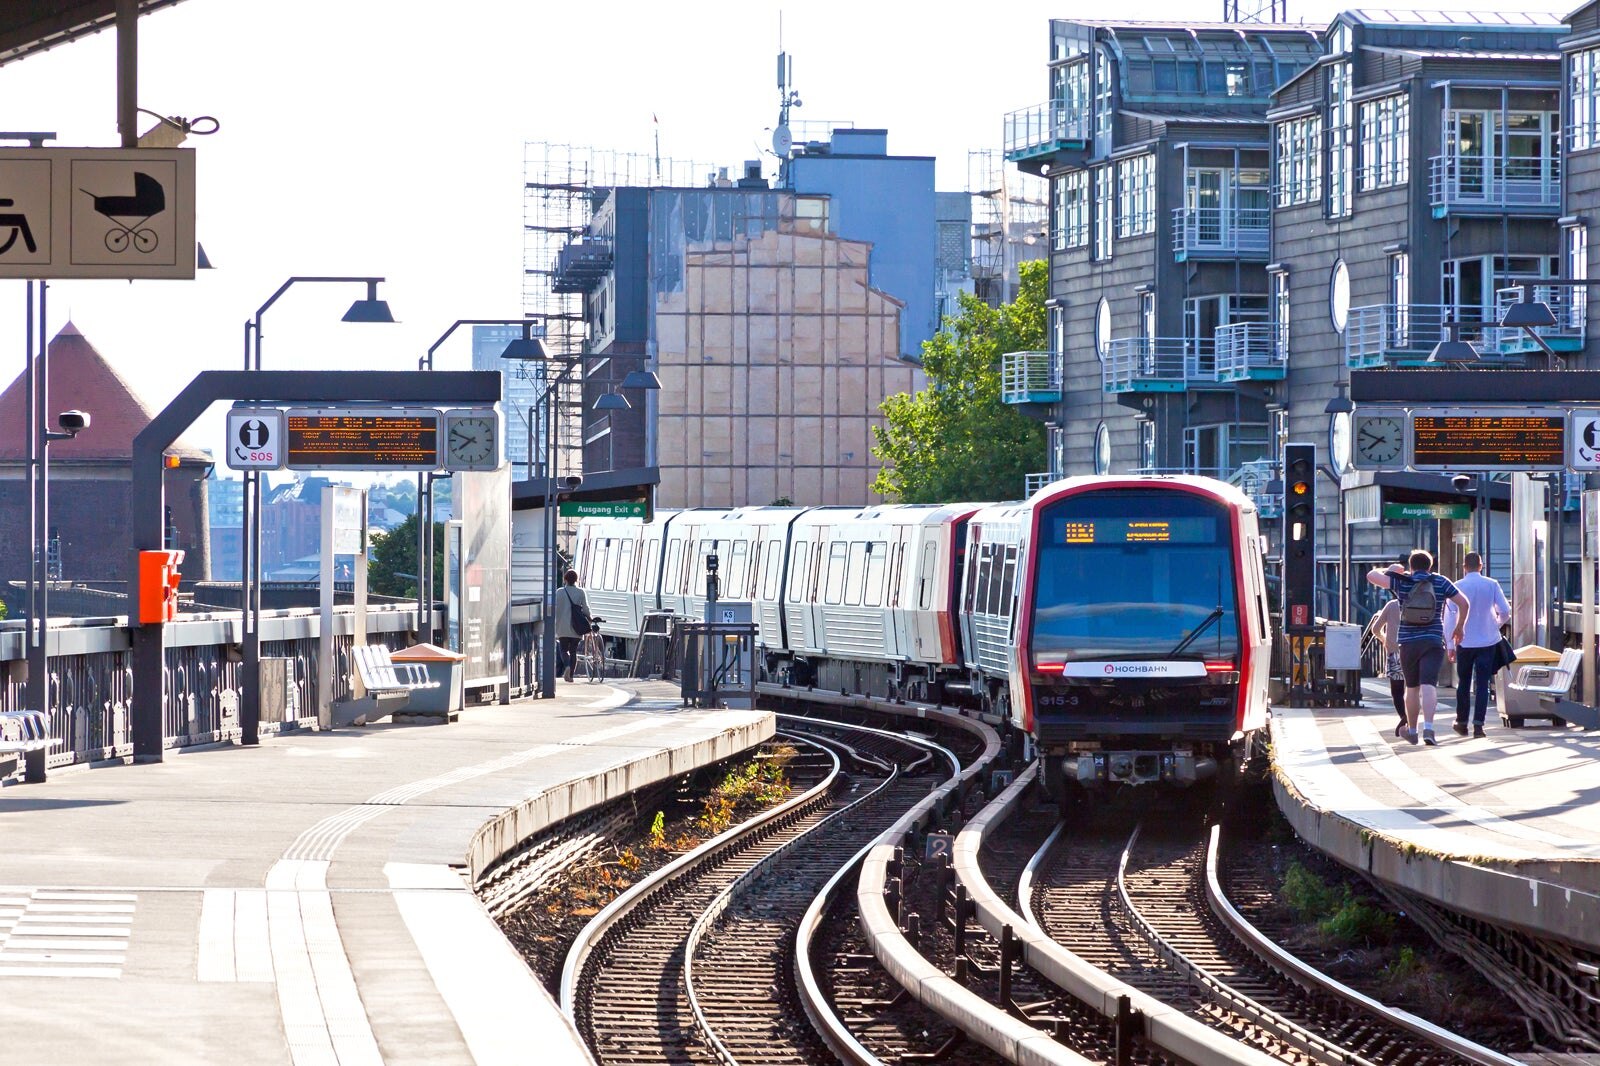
(1307, 894)
(628, 860)
(1404, 965)
(1355, 922)
(658, 830)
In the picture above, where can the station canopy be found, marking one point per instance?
(31, 26)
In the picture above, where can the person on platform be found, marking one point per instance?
(572, 610)
(1422, 595)
(1474, 656)
(1385, 629)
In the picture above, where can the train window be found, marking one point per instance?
(980, 601)
(997, 582)
(877, 564)
(972, 560)
(652, 553)
(897, 562)
(1008, 581)
(859, 550)
(930, 560)
(674, 565)
(774, 568)
(797, 572)
(735, 568)
(833, 587)
(625, 567)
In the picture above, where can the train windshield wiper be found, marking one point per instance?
(1216, 613)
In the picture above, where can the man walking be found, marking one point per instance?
(1422, 595)
(1474, 656)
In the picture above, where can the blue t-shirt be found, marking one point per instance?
(1402, 584)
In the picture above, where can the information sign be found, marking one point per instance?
(603, 509)
(1488, 439)
(255, 439)
(362, 439)
(1427, 511)
(1585, 440)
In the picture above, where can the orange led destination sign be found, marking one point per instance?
(363, 439)
(1488, 439)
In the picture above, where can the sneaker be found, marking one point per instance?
(1400, 730)
(1411, 735)
(1459, 727)
(1478, 733)
(1427, 737)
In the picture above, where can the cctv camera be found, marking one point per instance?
(73, 421)
(572, 481)
(1462, 482)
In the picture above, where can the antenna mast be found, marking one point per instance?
(1265, 11)
(788, 97)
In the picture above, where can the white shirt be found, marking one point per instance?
(1488, 611)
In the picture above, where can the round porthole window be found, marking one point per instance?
(1339, 296)
(1102, 328)
(1102, 449)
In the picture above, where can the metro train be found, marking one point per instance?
(1119, 624)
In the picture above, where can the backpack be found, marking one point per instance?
(1421, 605)
(578, 617)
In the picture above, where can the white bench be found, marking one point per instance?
(22, 732)
(1548, 682)
(380, 673)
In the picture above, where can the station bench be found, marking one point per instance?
(1550, 682)
(22, 733)
(389, 686)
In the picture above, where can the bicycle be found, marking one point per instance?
(592, 653)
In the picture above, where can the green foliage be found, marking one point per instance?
(658, 830)
(1307, 894)
(1404, 965)
(955, 440)
(1338, 914)
(393, 566)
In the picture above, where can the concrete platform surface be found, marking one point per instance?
(1502, 827)
(308, 901)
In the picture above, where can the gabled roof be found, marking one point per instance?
(82, 380)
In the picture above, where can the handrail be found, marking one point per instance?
(1233, 230)
(1499, 181)
(1027, 376)
(1044, 126)
(1245, 346)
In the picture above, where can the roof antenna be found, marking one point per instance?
(788, 97)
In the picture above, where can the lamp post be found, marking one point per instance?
(369, 309)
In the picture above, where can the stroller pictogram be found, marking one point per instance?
(148, 200)
(19, 225)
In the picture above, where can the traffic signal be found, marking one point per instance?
(1299, 537)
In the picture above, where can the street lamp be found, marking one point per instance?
(1451, 349)
(532, 350)
(1530, 316)
(367, 309)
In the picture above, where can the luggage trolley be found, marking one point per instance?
(148, 200)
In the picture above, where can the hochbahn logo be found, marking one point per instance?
(1171, 668)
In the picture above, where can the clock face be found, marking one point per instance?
(1339, 441)
(1379, 439)
(470, 442)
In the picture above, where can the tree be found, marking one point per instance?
(955, 440)
(392, 570)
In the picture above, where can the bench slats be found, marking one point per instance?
(25, 731)
(380, 673)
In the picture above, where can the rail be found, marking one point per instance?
(1378, 334)
(1030, 377)
(1044, 127)
(1499, 182)
(1156, 362)
(1224, 231)
(1032, 483)
(1569, 305)
(1247, 349)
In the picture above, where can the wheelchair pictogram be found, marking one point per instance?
(17, 222)
(149, 199)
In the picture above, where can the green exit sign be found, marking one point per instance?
(606, 509)
(1428, 511)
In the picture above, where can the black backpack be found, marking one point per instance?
(1421, 604)
(578, 616)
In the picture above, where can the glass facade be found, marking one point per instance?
(1136, 196)
(1385, 142)
(1299, 163)
(1070, 218)
(1341, 156)
(1101, 180)
(1583, 89)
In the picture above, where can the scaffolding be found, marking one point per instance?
(1009, 215)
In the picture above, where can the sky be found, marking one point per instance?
(386, 138)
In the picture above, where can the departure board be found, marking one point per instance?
(1127, 530)
(363, 439)
(1488, 439)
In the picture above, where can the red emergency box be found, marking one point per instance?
(158, 585)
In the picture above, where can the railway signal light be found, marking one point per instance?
(1299, 537)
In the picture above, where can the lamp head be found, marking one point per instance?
(612, 401)
(526, 349)
(1341, 404)
(1451, 350)
(370, 309)
(1528, 313)
(641, 379)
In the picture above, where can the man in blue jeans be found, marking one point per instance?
(1422, 639)
(1475, 655)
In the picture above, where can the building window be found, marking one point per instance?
(1280, 429)
(1400, 299)
(1468, 286)
(1100, 179)
(1147, 315)
(1147, 445)
(1575, 247)
(1136, 211)
(1299, 167)
(1584, 90)
(1102, 102)
(1340, 154)
(1385, 142)
(1339, 40)
(1071, 88)
(1280, 316)
(1071, 210)
(1102, 328)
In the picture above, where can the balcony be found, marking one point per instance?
(1255, 480)
(1519, 184)
(1569, 305)
(1035, 482)
(1030, 377)
(1405, 335)
(1220, 232)
(581, 266)
(1247, 351)
(1045, 129)
(1156, 364)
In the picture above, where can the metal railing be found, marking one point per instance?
(1247, 348)
(1030, 377)
(1156, 361)
(1253, 479)
(1220, 231)
(1380, 333)
(1032, 483)
(1044, 127)
(1503, 181)
(1570, 305)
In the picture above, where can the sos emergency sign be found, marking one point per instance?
(255, 439)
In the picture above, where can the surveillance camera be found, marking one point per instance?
(73, 421)
(572, 481)
(1462, 482)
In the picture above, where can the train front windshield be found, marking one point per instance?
(1125, 574)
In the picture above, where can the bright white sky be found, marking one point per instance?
(386, 137)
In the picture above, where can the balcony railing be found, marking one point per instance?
(1248, 350)
(1382, 334)
(1045, 128)
(1253, 479)
(1155, 364)
(1569, 305)
(1220, 231)
(1035, 482)
(1030, 377)
(1531, 183)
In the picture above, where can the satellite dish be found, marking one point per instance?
(782, 140)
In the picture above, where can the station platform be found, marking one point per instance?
(1503, 828)
(308, 901)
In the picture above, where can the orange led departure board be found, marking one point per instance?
(1483, 439)
(363, 439)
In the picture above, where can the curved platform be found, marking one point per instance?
(1502, 828)
(308, 901)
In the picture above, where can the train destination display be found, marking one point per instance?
(363, 439)
(1488, 439)
(1137, 531)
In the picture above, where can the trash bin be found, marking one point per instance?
(1516, 705)
(445, 667)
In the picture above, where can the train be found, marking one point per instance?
(1118, 624)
